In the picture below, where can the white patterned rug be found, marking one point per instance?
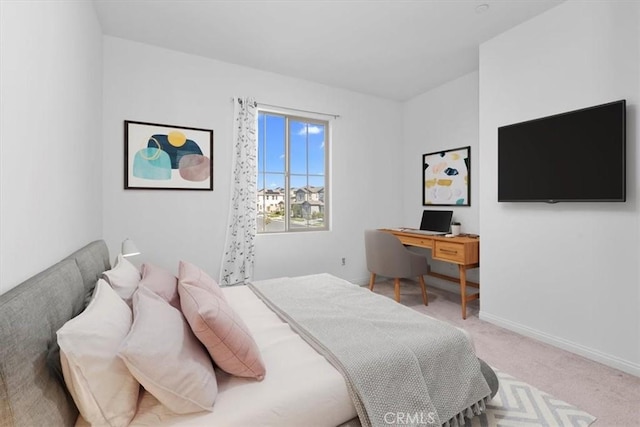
(520, 404)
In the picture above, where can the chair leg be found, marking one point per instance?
(424, 290)
(397, 288)
(372, 281)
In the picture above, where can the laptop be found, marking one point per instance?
(435, 222)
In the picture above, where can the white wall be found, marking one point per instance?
(565, 273)
(146, 83)
(443, 118)
(50, 134)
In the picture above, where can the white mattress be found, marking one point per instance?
(300, 387)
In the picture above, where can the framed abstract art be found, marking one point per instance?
(446, 177)
(167, 157)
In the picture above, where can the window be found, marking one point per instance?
(292, 173)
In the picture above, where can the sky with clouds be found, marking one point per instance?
(306, 150)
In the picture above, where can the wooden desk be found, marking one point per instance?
(464, 251)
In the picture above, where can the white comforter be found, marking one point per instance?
(300, 388)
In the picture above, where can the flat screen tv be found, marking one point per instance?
(578, 156)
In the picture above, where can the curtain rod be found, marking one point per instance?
(335, 116)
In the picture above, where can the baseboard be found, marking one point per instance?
(432, 282)
(362, 281)
(445, 285)
(589, 353)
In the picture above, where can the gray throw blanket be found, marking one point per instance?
(401, 367)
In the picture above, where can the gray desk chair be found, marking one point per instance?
(387, 256)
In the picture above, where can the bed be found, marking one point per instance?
(301, 386)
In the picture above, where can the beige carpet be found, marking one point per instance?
(612, 396)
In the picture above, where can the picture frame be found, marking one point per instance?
(446, 177)
(167, 157)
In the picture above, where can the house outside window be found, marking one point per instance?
(292, 173)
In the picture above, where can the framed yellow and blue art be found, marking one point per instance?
(166, 157)
(446, 177)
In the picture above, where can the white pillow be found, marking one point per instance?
(123, 278)
(102, 387)
(166, 358)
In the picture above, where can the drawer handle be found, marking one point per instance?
(449, 251)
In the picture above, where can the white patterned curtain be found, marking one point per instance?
(237, 261)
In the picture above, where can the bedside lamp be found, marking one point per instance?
(129, 248)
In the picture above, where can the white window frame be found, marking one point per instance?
(287, 174)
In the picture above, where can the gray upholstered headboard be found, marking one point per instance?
(30, 315)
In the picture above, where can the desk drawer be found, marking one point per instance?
(416, 241)
(449, 251)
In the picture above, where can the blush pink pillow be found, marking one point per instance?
(194, 276)
(161, 282)
(222, 332)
